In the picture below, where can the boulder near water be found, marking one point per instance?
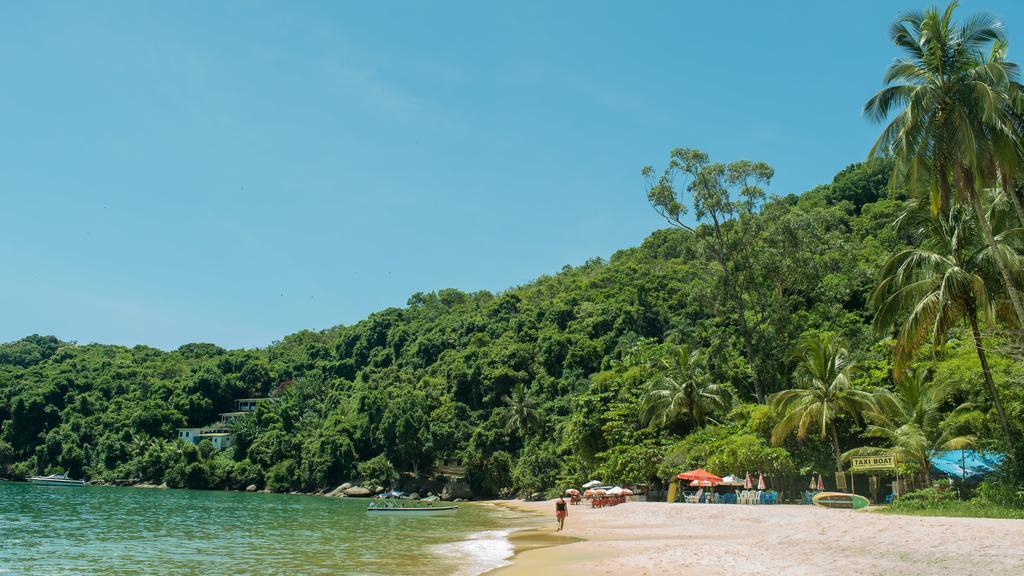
(251, 488)
(357, 491)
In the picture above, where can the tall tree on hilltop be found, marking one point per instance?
(926, 291)
(955, 129)
(723, 196)
(822, 374)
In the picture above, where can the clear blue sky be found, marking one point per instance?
(232, 172)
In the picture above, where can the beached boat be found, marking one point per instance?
(55, 480)
(414, 511)
(840, 500)
(392, 504)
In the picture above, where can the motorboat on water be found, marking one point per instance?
(55, 480)
(392, 504)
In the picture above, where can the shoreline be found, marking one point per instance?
(529, 538)
(654, 538)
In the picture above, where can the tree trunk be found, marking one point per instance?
(972, 317)
(944, 191)
(733, 286)
(748, 343)
(1010, 188)
(835, 446)
(979, 213)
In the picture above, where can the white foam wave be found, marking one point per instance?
(480, 552)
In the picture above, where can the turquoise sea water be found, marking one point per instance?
(106, 531)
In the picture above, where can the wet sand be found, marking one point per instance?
(717, 540)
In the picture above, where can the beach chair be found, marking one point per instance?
(889, 498)
(729, 498)
(744, 497)
(695, 499)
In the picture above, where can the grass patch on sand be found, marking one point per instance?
(940, 502)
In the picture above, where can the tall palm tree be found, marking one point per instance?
(955, 127)
(910, 418)
(523, 413)
(1011, 164)
(822, 374)
(926, 291)
(683, 387)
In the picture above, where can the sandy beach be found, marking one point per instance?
(719, 540)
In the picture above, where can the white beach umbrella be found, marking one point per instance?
(592, 483)
(615, 491)
(760, 481)
(732, 480)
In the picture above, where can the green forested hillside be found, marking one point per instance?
(540, 385)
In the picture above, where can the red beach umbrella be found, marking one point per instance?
(588, 494)
(627, 492)
(821, 482)
(747, 484)
(760, 481)
(572, 492)
(701, 475)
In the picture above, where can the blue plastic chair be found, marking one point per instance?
(889, 498)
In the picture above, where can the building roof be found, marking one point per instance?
(215, 434)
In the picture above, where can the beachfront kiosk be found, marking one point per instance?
(875, 465)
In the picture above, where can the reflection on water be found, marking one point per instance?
(104, 530)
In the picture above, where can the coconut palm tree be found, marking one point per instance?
(822, 374)
(954, 127)
(910, 418)
(683, 387)
(926, 291)
(523, 413)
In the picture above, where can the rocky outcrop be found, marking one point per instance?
(456, 489)
(357, 491)
(251, 488)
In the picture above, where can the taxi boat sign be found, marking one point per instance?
(873, 463)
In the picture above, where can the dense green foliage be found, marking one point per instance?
(541, 384)
(990, 501)
(757, 336)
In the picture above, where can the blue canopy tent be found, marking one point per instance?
(966, 464)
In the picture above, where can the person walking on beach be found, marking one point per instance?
(561, 511)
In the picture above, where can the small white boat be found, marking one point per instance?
(55, 480)
(415, 512)
(392, 504)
